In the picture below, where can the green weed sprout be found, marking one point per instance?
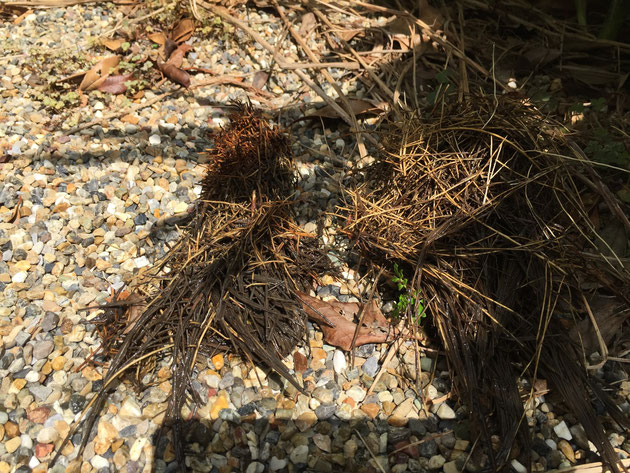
(407, 298)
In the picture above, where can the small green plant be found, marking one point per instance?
(605, 149)
(407, 298)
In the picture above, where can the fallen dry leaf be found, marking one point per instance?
(183, 30)
(308, 24)
(175, 74)
(97, 75)
(158, 38)
(404, 32)
(260, 79)
(177, 57)
(15, 216)
(348, 34)
(169, 47)
(113, 44)
(115, 84)
(171, 68)
(375, 328)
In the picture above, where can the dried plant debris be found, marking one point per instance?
(482, 201)
(228, 285)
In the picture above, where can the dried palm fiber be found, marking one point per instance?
(228, 284)
(484, 201)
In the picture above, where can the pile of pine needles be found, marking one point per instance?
(228, 285)
(484, 203)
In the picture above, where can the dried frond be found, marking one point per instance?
(229, 283)
(482, 200)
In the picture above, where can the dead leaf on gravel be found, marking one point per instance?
(15, 216)
(175, 74)
(177, 57)
(359, 107)
(158, 38)
(348, 34)
(183, 30)
(260, 79)
(403, 31)
(115, 84)
(97, 75)
(169, 47)
(375, 328)
(308, 25)
(113, 44)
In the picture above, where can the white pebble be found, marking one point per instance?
(339, 362)
(19, 277)
(255, 467)
(26, 441)
(99, 462)
(33, 462)
(276, 464)
(136, 449)
(155, 140)
(356, 393)
(563, 431)
(518, 466)
(47, 435)
(32, 376)
(445, 412)
(142, 261)
(130, 409)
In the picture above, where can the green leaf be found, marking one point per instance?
(599, 104)
(125, 46)
(442, 77)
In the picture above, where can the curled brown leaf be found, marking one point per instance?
(375, 328)
(175, 74)
(115, 84)
(183, 30)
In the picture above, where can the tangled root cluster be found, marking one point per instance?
(484, 203)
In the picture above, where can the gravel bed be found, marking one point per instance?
(89, 204)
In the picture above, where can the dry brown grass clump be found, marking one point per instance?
(229, 283)
(483, 202)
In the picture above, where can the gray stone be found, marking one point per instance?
(230, 415)
(41, 392)
(325, 411)
(428, 449)
(49, 322)
(323, 395)
(370, 367)
(227, 381)
(563, 431)
(255, 467)
(42, 349)
(22, 337)
(276, 463)
(299, 455)
(16, 365)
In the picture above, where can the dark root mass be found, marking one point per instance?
(227, 286)
(484, 202)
